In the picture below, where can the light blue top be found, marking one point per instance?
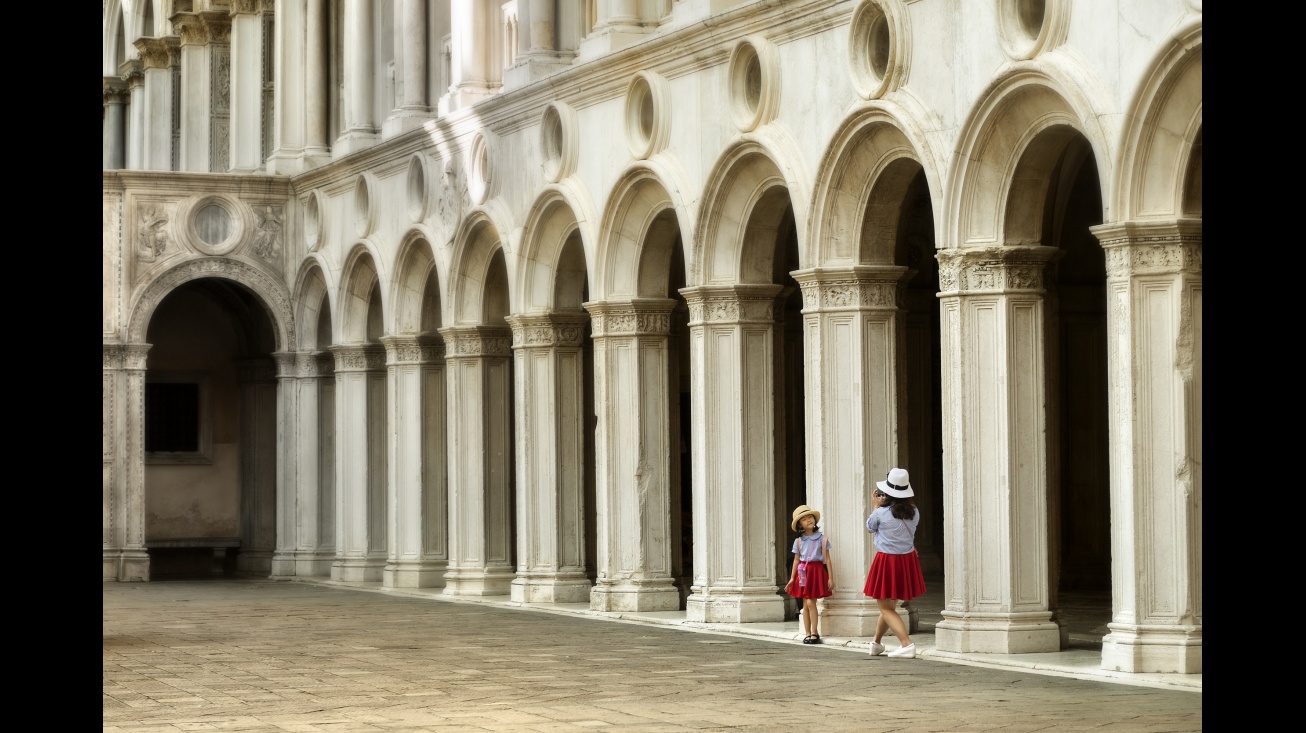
(809, 548)
(893, 536)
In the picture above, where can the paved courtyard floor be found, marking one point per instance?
(264, 655)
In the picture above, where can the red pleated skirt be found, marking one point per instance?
(895, 576)
(818, 581)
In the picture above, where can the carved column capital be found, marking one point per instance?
(287, 364)
(550, 329)
(731, 303)
(115, 90)
(636, 317)
(246, 7)
(1151, 248)
(359, 357)
(993, 269)
(157, 53)
(464, 342)
(190, 28)
(314, 364)
(218, 26)
(413, 349)
(125, 356)
(860, 287)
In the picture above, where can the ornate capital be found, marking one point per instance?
(218, 25)
(1151, 248)
(359, 357)
(731, 303)
(851, 288)
(286, 363)
(466, 342)
(156, 53)
(314, 364)
(191, 28)
(413, 350)
(993, 269)
(246, 7)
(547, 330)
(642, 317)
(115, 90)
(125, 356)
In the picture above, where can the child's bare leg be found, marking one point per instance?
(889, 615)
(881, 626)
(809, 608)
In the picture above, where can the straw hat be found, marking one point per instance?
(801, 512)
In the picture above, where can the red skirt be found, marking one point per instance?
(895, 576)
(817, 583)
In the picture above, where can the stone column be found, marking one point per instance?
(550, 430)
(299, 87)
(246, 138)
(115, 127)
(313, 439)
(418, 489)
(853, 337)
(1154, 353)
(125, 556)
(995, 446)
(205, 90)
(632, 396)
(732, 358)
(361, 501)
(473, 76)
(258, 465)
(286, 449)
(480, 460)
(360, 124)
(413, 108)
(540, 26)
(156, 119)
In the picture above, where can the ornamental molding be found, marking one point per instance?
(993, 269)
(463, 342)
(547, 330)
(401, 350)
(1152, 248)
(270, 290)
(359, 358)
(631, 318)
(860, 288)
(731, 304)
(314, 364)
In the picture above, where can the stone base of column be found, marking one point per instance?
(403, 120)
(126, 565)
(556, 588)
(997, 633)
(357, 569)
(415, 574)
(289, 163)
(649, 594)
(843, 617)
(353, 141)
(1153, 648)
(311, 564)
(254, 562)
(284, 565)
(532, 68)
(492, 581)
(735, 605)
(605, 42)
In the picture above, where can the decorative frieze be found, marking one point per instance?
(359, 357)
(412, 350)
(547, 330)
(856, 288)
(651, 317)
(476, 341)
(731, 303)
(1151, 248)
(993, 269)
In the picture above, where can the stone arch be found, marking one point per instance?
(359, 275)
(646, 209)
(749, 174)
(1161, 159)
(1041, 104)
(476, 244)
(114, 23)
(557, 214)
(416, 309)
(270, 291)
(311, 286)
(864, 160)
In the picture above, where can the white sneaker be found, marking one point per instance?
(876, 649)
(906, 652)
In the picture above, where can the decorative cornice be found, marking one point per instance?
(644, 317)
(851, 288)
(413, 350)
(359, 357)
(993, 269)
(549, 330)
(1151, 248)
(731, 303)
(465, 342)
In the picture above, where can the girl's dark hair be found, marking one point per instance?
(904, 508)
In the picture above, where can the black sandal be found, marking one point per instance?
(808, 639)
(815, 639)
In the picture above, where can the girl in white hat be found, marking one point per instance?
(812, 575)
(896, 569)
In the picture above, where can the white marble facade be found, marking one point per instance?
(576, 301)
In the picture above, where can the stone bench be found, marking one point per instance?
(224, 549)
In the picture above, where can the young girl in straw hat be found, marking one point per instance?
(812, 575)
(896, 569)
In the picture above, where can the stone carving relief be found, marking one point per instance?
(412, 351)
(454, 198)
(267, 232)
(528, 333)
(476, 344)
(993, 268)
(359, 358)
(152, 237)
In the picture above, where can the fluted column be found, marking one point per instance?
(125, 556)
(853, 334)
(360, 121)
(361, 495)
(995, 448)
(115, 126)
(417, 553)
(286, 452)
(550, 376)
(246, 126)
(732, 358)
(632, 394)
(412, 107)
(480, 460)
(313, 440)
(258, 465)
(1154, 353)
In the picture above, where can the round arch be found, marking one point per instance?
(477, 241)
(415, 266)
(361, 272)
(268, 289)
(559, 211)
(312, 285)
(646, 209)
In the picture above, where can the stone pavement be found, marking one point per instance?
(264, 655)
